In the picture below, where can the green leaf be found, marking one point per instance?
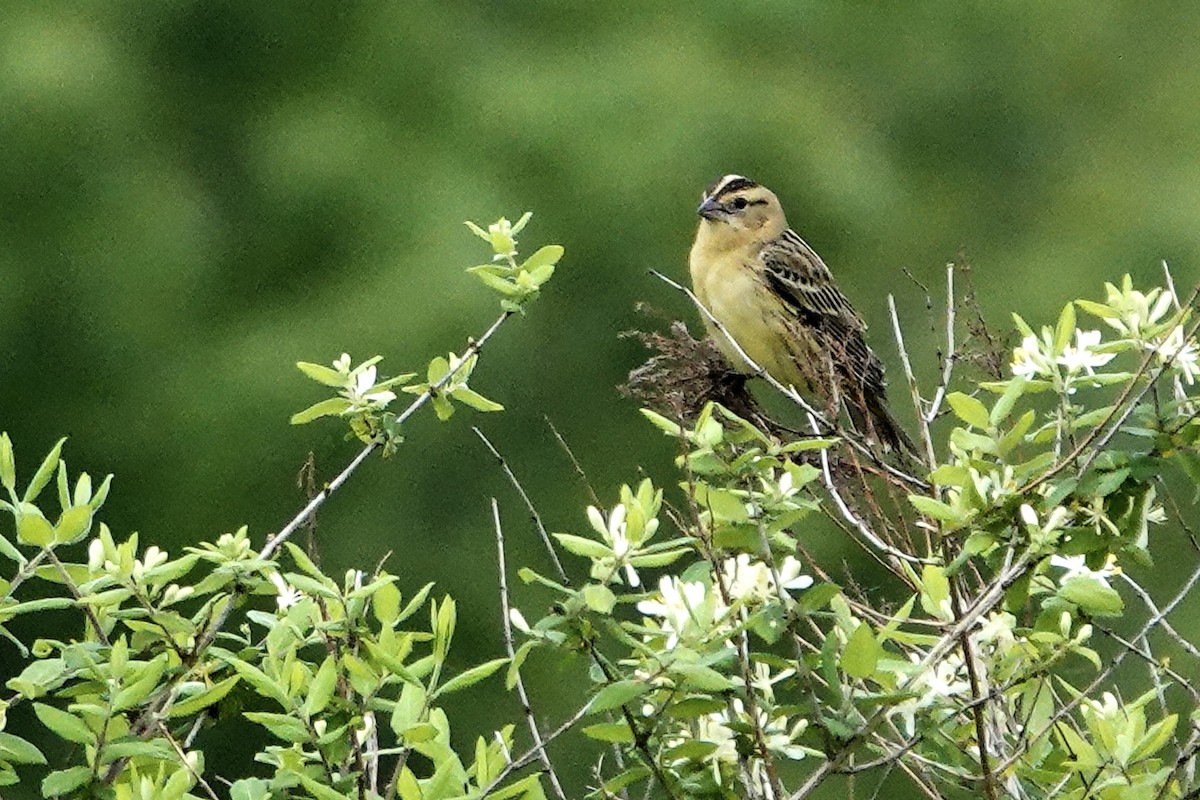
(8, 464)
(68, 726)
(65, 781)
(472, 398)
(698, 676)
(936, 509)
(16, 750)
(935, 589)
(45, 472)
(470, 677)
(204, 699)
(1098, 309)
(546, 256)
(1092, 596)
(1065, 327)
(599, 598)
(281, 726)
(616, 783)
(861, 653)
(259, 680)
(319, 790)
(385, 604)
(1157, 736)
(497, 283)
(969, 409)
(250, 789)
(32, 527)
(322, 374)
(514, 668)
(74, 524)
(320, 691)
(1004, 405)
(332, 407)
(615, 732)
(617, 694)
(578, 545)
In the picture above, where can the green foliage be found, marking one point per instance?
(718, 666)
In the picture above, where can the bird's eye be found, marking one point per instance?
(739, 203)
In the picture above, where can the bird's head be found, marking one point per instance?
(736, 205)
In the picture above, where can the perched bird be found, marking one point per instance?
(778, 300)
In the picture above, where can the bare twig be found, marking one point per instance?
(913, 388)
(856, 521)
(566, 448)
(533, 512)
(949, 358)
(534, 731)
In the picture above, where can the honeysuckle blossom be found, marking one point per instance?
(615, 535)
(286, 594)
(996, 630)
(1076, 566)
(1081, 356)
(1179, 352)
(689, 610)
(931, 687)
(1029, 360)
(1135, 310)
(364, 383)
(1057, 518)
(752, 582)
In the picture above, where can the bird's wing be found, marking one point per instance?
(802, 281)
(798, 275)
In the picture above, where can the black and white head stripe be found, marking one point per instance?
(727, 184)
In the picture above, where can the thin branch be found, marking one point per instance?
(913, 388)
(534, 731)
(948, 361)
(534, 753)
(855, 520)
(533, 513)
(566, 448)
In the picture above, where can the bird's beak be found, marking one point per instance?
(710, 208)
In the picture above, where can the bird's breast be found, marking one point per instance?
(738, 296)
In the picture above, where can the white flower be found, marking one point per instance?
(286, 595)
(752, 582)
(763, 682)
(933, 687)
(1180, 353)
(615, 533)
(1136, 310)
(149, 560)
(1076, 566)
(1081, 356)
(1028, 361)
(364, 383)
(342, 364)
(368, 727)
(95, 555)
(1057, 518)
(688, 609)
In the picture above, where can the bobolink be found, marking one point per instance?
(779, 302)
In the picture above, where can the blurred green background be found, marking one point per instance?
(195, 195)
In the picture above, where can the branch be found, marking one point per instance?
(533, 513)
(538, 742)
